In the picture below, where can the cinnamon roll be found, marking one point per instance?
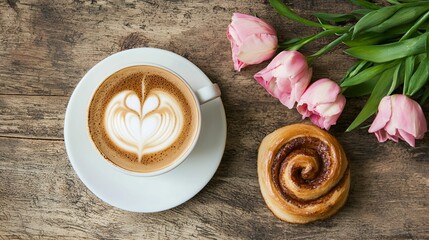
(303, 173)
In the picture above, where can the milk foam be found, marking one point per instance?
(143, 128)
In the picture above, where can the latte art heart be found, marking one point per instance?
(144, 119)
(143, 126)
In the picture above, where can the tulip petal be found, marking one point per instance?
(286, 77)
(327, 92)
(303, 110)
(399, 117)
(407, 137)
(252, 40)
(409, 116)
(257, 48)
(265, 78)
(333, 108)
(381, 135)
(383, 116)
(322, 102)
(316, 119)
(289, 64)
(393, 137)
(246, 25)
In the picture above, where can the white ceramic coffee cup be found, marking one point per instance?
(200, 96)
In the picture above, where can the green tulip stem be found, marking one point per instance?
(284, 10)
(296, 45)
(328, 47)
(415, 26)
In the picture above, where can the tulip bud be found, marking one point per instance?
(322, 102)
(252, 40)
(286, 77)
(399, 117)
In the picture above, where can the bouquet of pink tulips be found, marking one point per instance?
(390, 44)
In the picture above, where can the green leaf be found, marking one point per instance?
(380, 90)
(351, 69)
(334, 17)
(427, 45)
(297, 44)
(420, 57)
(409, 69)
(329, 46)
(362, 89)
(419, 78)
(367, 87)
(291, 41)
(358, 65)
(412, 1)
(393, 2)
(416, 26)
(374, 18)
(355, 69)
(366, 4)
(390, 51)
(359, 12)
(396, 80)
(362, 65)
(366, 39)
(402, 16)
(402, 29)
(367, 74)
(284, 10)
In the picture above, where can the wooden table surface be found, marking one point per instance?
(47, 46)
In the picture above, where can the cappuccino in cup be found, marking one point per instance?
(144, 119)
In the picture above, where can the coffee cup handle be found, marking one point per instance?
(208, 93)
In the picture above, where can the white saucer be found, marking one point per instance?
(144, 194)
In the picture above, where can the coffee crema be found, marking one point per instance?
(143, 118)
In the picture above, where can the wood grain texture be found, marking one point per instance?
(47, 46)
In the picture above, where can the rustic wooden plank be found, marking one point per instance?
(39, 117)
(47, 46)
(42, 196)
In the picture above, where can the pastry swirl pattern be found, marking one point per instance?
(303, 173)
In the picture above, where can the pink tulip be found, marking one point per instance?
(286, 77)
(399, 117)
(252, 40)
(322, 102)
